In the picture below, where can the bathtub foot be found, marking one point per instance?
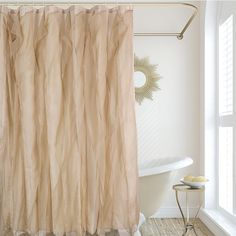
(137, 233)
(141, 221)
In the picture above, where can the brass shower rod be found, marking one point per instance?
(179, 35)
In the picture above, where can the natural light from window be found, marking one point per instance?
(226, 168)
(226, 123)
(226, 67)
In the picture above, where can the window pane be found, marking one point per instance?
(226, 168)
(226, 67)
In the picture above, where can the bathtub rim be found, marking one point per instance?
(179, 163)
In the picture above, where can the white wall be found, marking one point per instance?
(170, 124)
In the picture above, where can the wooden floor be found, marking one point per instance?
(171, 227)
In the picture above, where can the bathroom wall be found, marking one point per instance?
(169, 125)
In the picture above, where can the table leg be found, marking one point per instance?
(187, 209)
(197, 212)
(187, 225)
(182, 214)
(194, 231)
(185, 232)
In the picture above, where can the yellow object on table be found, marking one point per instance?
(191, 178)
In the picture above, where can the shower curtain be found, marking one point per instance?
(67, 123)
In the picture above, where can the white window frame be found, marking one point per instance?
(227, 120)
(219, 222)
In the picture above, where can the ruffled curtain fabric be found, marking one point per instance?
(68, 161)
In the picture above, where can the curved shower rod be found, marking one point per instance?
(179, 35)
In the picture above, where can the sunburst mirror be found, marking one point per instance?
(145, 79)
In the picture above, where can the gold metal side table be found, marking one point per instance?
(188, 225)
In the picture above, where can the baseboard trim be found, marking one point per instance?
(217, 223)
(173, 212)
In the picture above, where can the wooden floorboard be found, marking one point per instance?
(171, 227)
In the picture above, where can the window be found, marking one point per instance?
(219, 115)
(226, 122)
(226, 67)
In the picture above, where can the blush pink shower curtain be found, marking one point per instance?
(67, 122)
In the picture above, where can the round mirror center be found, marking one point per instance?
(139, 79)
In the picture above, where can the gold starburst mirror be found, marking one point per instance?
(145, 79)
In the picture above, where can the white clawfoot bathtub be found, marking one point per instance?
(155, 180)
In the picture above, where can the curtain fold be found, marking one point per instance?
(68, 152)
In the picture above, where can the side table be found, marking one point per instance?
(188, 225)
